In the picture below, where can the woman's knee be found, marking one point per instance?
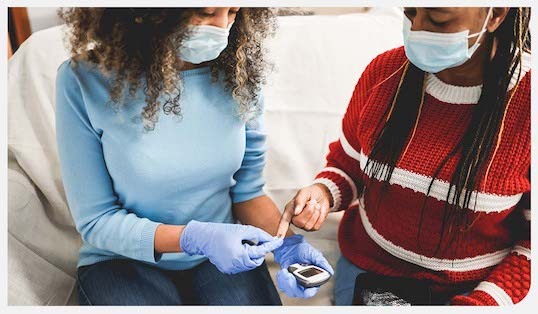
(254, 287)
(125, 282)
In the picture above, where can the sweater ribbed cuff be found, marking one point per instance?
(476, 298)
(334, 190)
(147, 243)
(341, 186)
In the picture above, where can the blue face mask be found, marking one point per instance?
(434, 52)
(205, 43)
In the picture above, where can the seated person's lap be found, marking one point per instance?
(128, 282)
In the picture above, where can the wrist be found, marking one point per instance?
(180, 235)
(325, 192)
(167, 238)
(187, 237)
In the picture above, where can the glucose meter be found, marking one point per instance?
(309, 275)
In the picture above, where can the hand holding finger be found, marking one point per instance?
(300, 220)
(324, 211)
(301, 200)
(313, 219)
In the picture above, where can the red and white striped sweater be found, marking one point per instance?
(493, 257)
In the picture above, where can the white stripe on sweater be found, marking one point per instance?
(479, 202)
(348, 149)
(499, 295)
(456, 265)
(521, 250)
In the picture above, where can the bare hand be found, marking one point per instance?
(308, 209)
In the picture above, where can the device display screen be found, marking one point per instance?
(310, 272)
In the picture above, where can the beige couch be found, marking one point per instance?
(319, 59)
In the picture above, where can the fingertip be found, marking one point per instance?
(274, 244)
(258, 261)
(322, 262)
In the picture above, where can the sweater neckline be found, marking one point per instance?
(467, 95)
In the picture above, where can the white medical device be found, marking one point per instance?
(309, 275)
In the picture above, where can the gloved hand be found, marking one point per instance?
(296, 250)
(222, 244)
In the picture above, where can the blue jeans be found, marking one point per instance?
(129, 282)
(344, 286)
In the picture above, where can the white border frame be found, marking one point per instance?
(529, 304)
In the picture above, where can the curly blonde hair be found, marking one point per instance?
(140, 47)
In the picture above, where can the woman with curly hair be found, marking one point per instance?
(159, 119)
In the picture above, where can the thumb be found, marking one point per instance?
(259, 251)
(319, 260)
(286, 282)
(301, 199)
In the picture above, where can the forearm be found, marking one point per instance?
(167, 238)
(260, 212)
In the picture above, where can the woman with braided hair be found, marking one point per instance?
(159, 121)
(433, 165)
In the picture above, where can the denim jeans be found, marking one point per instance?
(344, 286)
(129, 282)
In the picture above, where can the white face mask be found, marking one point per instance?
(434, 52)
(205, 43)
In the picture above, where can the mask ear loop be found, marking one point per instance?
(479, 34)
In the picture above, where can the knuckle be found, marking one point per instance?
(302, 193)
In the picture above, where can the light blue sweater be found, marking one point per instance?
(122, 182)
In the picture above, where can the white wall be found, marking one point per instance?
(42, 18)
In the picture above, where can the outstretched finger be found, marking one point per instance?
(258, 251)
(285, 220)
(256, 235)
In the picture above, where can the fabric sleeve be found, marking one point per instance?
(95, 208)
(342, 173)
(249, 178)
(509, 282)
